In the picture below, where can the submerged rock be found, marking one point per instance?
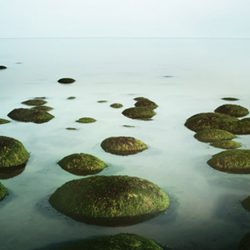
(213, 134)
(71, 98)
(246, 204)
(86, 120)
(128, 126)
(4, 121)
(3, 191)
(146, 103)
(140, 113)
(230, 99)
(30, 115)
(2, 67)
(232, 161)
(42, 108)
(82, 164)
(102, 101)
(123, 145)
(69, 128)
(245, 242)
(226, 144)
(34, 102)
(116, 105)
(233, 110)
(113, 242)
(211, 120)
(66, 80)
(110, 200)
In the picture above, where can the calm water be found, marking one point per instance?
(205, 211)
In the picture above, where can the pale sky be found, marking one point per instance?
(124, 18)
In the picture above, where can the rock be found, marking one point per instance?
(71, 128)
(82, 164)
(226, 144)
(102, 101)
(116, 105)
(242, 127)
(71, 98)
(146, 103)
(66, 80)
(232, 110)
(42, 108)
(123, 145)
(86, 120)
(3, 191)
(246, 203)
(140, 113)
(232, 161)
(110, 200)
(34, 102)
(230, 99)
(128, 126)
(2, 67)
(213, 134)
(211, 120)
(245, 242)
(4, 121)
(30, 115)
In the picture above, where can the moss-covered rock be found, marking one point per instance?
(140, 113)
(4, 121)
(30, 115)
(114, 242)
(3, 191)
(230, 99)
(110, 200)
(123, 145)
(42, 108)
(2, 67)
(86, 120)
(242, 127)
(232, 109)
(116, 105)
(213, 134)
(102, 101)
(71, 98)
(34, 102)
(12, 152)
(245, 242)
(140, 98)
(66, 80)
(146, 103)
(246, 203)
(82, 164)
(226, 144)
(232, 161)
(211, 120)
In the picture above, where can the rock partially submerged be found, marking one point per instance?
(213, 134)
(2, 67)
(71, 98)
(242, 127)
(230, 99)
(102, 101)
(30, 115)
(3, 191)
(4, 121)
(110, 200)
(232, 161)
(123, 145)
(140, 113)
(116, 105)
(246, 203)
(42, 108)
(34, 102)
(86, 120)
(66, 80)
(226, 144)
(82, 164)
(232, 110)
(146, 103)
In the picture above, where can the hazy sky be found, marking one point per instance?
(125, 18)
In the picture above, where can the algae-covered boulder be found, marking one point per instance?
(230, 99)
(146, 103)
(242, 127)
(123, 145)
(34, 102)
(233, 110)
(30, 115)
(2, 67)
(140, 113)
(246, 203)
(42, 108)
(82, 164)
(110, 200)
(3, 121)
(86, 120)
(3, 191)
(66, 80)
(211, 120)
(232, 161)
(226, 144)
(213, 134)
(245, 242)
(12, 153)
(113, 242)
(116, 105)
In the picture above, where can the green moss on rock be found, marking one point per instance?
(12, 152)
(66, 80)
(146, 103)
(211, 120)
(34, 102)
(82, 164)
(230, 99)
(42, 108)
(242, 127)
(4, 121)
(233, 110)
(246, 204)
(123, 145)
(110, 200)
(86, 120)
(245, 242)
(30, 115)
(3, 191)
(226, 144)
(232, 161)
(116, 105)
(113, 242)
(2, 67)
(140, 113)
(213, 134)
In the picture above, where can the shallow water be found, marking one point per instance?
(205, 211)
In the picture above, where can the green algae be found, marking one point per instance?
(232, 110)
(140, 113)
(86, 120)
(30, 115)
(66, 80)
(4, 121)
(12, 152)
(213, 134)
(34, 102)
(3, 191)
(246, 203)
(113, 242)
(82, 164)
(230, 99)
(116, 105)
(123, 145)
(226, 144)
(146, 103)
(110, 200)
(232, 161)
